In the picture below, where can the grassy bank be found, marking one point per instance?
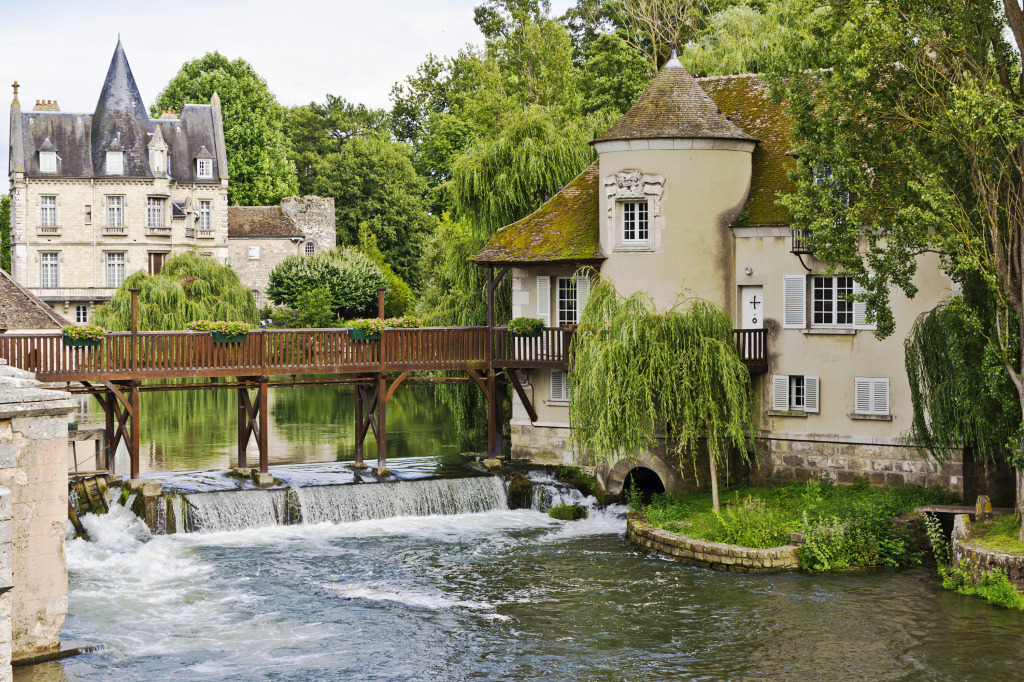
(845, 526)
(999, 532)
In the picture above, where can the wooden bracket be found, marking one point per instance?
(513, 378)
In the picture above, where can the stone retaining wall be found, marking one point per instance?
(716, 555)
(981, 559)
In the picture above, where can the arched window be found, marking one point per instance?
(310, 247)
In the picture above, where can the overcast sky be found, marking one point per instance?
(60, 49)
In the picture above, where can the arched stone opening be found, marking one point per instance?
(646, 481)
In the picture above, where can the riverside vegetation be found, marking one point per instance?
(844, 526)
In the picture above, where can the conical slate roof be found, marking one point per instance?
(120, 110)
(674, 106)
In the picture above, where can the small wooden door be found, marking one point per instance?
(752, 307)
(156, 262)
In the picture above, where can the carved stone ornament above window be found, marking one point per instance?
(632, 184)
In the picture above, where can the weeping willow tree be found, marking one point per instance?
(635, 372)
(189, 287)
(960, 392)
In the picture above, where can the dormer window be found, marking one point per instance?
(156, 160)
(47, 162)
(115, 163)
(204, 168)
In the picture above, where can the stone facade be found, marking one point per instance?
(33, 465)
(779, 461)
(82, 225)
(6, 580)
(260, 237)
(716, 555)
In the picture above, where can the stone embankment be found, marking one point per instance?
(716, 555)
(981, 559)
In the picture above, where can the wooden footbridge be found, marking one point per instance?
(114, 371)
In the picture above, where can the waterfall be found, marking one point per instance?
(234, 510)
(548, 495)
(437, 496)
(130, 501)
(178, 514)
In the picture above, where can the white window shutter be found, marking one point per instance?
(780, 392)
(862, 395)
(880, 396)
(544, 299)
(558, 388)
(860, 310)
(810, 394)
(582, 294)
(794, 302)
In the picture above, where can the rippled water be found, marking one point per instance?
(498, 595)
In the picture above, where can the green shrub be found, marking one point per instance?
(351, 278)
(568, 512)
(993, 585)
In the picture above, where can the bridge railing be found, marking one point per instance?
(548, 349)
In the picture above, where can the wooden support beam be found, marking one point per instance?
(263, 439)
(125, 424)
(382, 422)
(253, 420)
(513, 378)
(360, 428)
(394, 384)
(493, 428)
(244, 428)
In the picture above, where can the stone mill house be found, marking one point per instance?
(683, 194)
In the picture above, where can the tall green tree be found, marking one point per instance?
(373, 181)
(636, 371)
(258, 165)
(316, 130)
(920, 123)
(348, 277)
(188, 288)
(5, 233)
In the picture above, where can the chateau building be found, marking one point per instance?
(684, 195)
(95, 197)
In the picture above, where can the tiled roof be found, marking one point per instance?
(19, 309)
(260, 221)
(674, 106)
(565, 229)
(746, 100)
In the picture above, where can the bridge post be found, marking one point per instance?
(264, 435)
(133, 429)
(382, 425)
(243, 425)
(360, 432)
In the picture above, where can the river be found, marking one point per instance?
(492, 595)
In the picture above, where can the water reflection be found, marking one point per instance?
(198, 429)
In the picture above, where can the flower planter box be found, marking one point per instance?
(360, 335)
(80, 343)
(528, 335)
(219, 337)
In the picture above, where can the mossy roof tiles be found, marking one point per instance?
(563, 230)
(21, 310)
(674, 106)
(746, 100)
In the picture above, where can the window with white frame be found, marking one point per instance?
(115, 163)
(567, 312)
(115, 211)
(204, 168)
(559, 387)
(310, 248)
(254, 253)
(81, 314)
(49, 274)
(115, 268)
(47, 162)
(256, 296)
(156, 160)
(635, 224)
(205, 217)
(48, 211)
(155, 211)
(794, 393)
(871, 395)
(830, 305)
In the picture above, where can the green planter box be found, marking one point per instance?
(80, 343)
(360, 335)
(529, 335)
(218, 337)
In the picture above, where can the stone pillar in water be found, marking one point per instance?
(34, 466)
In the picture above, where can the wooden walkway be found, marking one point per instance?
(114, 370)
